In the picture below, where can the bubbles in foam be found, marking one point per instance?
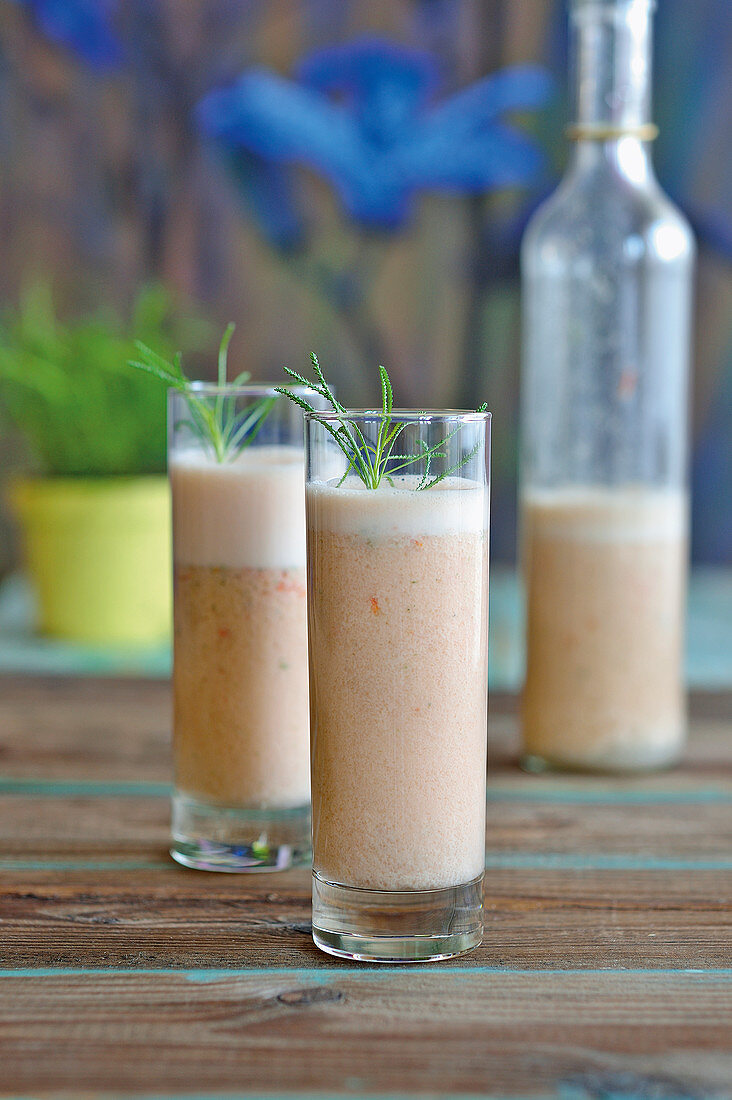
(457, 504)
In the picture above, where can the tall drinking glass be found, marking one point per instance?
(398, 615)
(240, 678)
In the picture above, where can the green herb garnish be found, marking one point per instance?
(218, 425)
(374, 462)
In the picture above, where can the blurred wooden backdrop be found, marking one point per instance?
(106, 181)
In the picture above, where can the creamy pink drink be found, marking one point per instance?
(605, 577)
(240, 669)
(398, 634)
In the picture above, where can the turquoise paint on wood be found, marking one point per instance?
(326, 973)
(594, 797)
(86, 864)
(320, 1096)
(530, 861)
(30, 787)
(562, 861)
(83, 788)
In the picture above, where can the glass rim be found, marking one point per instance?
(406, 416)
(246, 389)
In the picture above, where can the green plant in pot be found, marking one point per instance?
(94, 507)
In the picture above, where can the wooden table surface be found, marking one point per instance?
(605, 971)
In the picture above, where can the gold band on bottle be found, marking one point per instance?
(579, 131)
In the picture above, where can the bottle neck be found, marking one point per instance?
(610, 52)
(627, 156)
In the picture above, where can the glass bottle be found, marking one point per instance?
(607, 264)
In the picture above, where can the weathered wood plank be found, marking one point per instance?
(365, 1030)
(547, 919)
(120, 971)
(119, 730)
(84, 728)
(103, 827)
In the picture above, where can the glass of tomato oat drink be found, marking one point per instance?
(398, 615)
(240, 678)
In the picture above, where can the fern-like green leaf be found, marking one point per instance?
(374, 462)
(218, 425)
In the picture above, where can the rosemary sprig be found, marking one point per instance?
(374, 462)
(217, 425)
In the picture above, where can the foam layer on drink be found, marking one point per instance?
(599, 514)
(457, 504)
(249, 513)
(605, 577)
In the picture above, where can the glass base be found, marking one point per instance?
(209, 837)
(538, 765)
(392, 926)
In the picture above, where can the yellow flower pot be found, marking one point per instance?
(98, 552)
